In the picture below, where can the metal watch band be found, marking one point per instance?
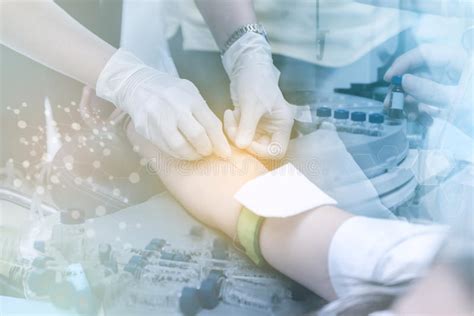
(248, 236)
(255, 28)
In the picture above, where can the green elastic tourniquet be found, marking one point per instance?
(248, 233)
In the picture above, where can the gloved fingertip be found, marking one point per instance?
(243, 142)
(206, 152)
(231, 132)
(197, 156)
(223, 150)
(244, 137)
(226, 153)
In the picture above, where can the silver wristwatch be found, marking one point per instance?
(255, 28)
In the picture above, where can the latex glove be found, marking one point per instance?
(165, 109)
(430, 74)
(262, 119)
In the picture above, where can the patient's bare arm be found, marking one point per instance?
(297, 246)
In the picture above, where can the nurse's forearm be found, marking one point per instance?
(224, 17)
(44, 32)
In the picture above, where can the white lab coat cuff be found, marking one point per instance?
(115, 76)
(251, 47)
(367, 250)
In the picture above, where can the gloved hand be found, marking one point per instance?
(437, 68)
(165, 109)
(262, 119)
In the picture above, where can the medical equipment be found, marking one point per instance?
(358, 143)
(192, 269)
(380, 149)
(358, 123)
(376, 121)
(324, 115)
(397, 99)
(341, 120)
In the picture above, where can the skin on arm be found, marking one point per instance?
(226, 16)
(206, 187)
(45, 33)
(297, 246)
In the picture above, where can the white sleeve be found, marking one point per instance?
(383, 251)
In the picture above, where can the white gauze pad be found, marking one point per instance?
(282, 192)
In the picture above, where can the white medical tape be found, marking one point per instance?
(283, 192)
